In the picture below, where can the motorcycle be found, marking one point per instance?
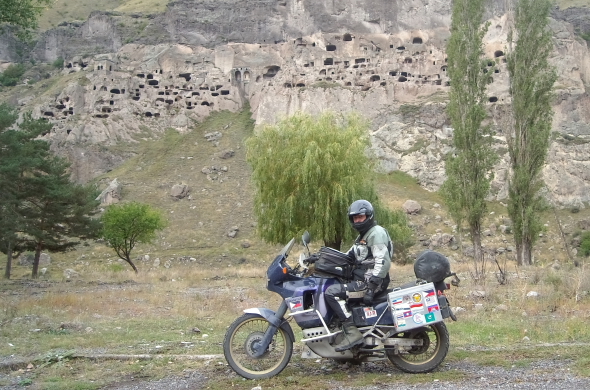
(404, 325)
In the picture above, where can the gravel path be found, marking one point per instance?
(538, 375)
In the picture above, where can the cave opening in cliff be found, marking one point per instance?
(498, 53)
(300, 85)
(329, 61)
(375, 78)
(493, 99)
(205, 103)
(496, 70)
(271, 71)
(444, 68)
(136, 98)
(153, 82)
(347, 37)
(323, 72)
(417, 41)
(359, 60)
(246, 76)
(401, 48)
(169, 101)
(238, 76)
(214, 94)
(224, 92)
(330, 47)
(402, 79)
(141, 75)
(186, 76)
(408, 60)
(196, 93)
(148, 114)
(383, 84)
(393, 73)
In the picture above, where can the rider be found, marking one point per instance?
(372, 252)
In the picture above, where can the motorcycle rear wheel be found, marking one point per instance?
(238, 342)
(424, 358)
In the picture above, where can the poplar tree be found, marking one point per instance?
(469, 166)
(531, 83)
(307, 171)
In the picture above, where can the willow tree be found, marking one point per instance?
(307, 171)
(469, 167)
(531, 83)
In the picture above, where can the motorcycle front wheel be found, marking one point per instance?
(426, 357)
(238, 349)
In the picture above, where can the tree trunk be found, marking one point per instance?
(8, 269)
(478, 262)
(334, 244)
(131, 264)
(524, 252)
(35, 273)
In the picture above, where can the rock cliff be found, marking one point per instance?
(133, 76)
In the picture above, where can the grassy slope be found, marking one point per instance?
(69, 10)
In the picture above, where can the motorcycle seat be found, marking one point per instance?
(382, 296)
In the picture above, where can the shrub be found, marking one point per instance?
(12, 75)
(585, 245)
(58, 63)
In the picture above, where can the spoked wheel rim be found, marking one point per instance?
(422, 353)
(242, 343)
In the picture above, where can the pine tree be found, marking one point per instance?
(22, 15)
(469, 167)
(20, 154)
(531, 83)
(58, 211)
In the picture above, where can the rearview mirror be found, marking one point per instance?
(306, 238)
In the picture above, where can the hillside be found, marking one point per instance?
(222, 200)
(79, 10)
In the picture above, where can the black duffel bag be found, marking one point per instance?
(334, 263)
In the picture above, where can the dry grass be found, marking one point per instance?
(79, 10)
(205, 279)
(156, 311)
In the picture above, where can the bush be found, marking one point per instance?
(58, 63)
(585, 245)
(12, 75)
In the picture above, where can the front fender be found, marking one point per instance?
(271, 317)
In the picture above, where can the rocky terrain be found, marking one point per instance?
(130, 76)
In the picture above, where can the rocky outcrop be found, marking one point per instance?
(385, 60)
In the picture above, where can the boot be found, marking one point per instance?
(352, 336)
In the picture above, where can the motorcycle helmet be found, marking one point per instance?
(361, 207)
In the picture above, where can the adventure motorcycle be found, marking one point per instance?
(404, 325)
